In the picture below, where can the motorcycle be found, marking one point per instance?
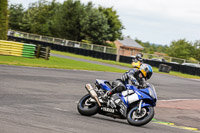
(134, 104)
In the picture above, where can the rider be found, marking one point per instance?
(137, 61)
(135, 76)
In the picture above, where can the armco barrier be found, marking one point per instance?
(17, 49)
(106, 56)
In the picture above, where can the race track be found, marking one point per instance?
(41, 100)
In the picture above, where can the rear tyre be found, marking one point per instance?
(86, 108)
(142, 118)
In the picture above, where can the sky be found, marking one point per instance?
(154, 21)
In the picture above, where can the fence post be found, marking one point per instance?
(40, 38)
(104, 50)
(53, 40)
(28, 36)
(170, 59)
(92, 46)
(118, 54)
(38, 51)
(66, 42)
(47, 53)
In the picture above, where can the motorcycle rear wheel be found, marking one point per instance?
(85, 108)
(142, 118)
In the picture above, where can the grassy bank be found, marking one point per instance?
(124, 64)
(56, 62)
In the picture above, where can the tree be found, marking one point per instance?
(37, 18)
(3, 19)
(151, 48)
(181, 49)
(75, 21)
(94, 26)
(16, 12)
(115, 25)
(197, 50)
(66, 21)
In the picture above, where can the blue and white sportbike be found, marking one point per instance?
(135, 105)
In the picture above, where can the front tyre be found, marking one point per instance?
(142, 118)
(87, 108)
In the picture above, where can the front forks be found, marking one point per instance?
(140, 106)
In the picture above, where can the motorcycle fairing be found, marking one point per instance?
(103, 84)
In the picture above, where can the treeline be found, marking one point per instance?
(180, 49)
(3, 19)
(185, 49)
(151, 48)
(70, 20)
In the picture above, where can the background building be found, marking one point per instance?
(128, 47)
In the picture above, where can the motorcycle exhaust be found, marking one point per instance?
(93, 93)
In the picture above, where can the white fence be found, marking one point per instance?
(64, 42)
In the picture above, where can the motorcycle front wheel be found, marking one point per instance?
(87, 108)
(137, 118)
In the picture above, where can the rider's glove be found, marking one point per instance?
(124, 76)
(145, 85)
(136, 83)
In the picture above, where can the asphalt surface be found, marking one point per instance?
(40, 100)
(89, 61)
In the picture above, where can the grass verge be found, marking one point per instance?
(56, 62)
(91, 58)
(155, 69)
